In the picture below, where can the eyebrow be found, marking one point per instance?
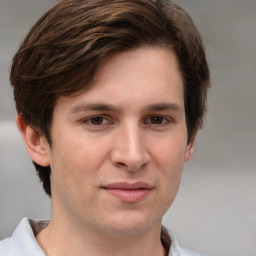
(93, 106)
(164, 106)
(110, 107)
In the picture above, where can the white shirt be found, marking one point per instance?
(23, 242)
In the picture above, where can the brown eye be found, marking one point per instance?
(156, 120)
(98, 120)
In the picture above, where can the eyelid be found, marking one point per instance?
(108, 120)
(167, 119)
(87, 120)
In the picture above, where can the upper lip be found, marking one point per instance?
(128, 186)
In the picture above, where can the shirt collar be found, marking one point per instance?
(23, 239)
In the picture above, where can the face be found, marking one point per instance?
(118, 149)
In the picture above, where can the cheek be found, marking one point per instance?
(71, 177)
(76, 160)
(170, 153)
(169, 160)
(172, 167)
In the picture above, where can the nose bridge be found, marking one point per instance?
(129, 147)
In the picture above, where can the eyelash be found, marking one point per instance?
(164, 119)
(102, 118)
(105, 121)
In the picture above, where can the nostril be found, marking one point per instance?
(131, 153)
(120, 164)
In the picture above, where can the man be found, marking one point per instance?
(109, 96)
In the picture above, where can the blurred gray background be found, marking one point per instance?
(215, 211)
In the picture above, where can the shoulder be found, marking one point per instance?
(23, 242)
(174, 248)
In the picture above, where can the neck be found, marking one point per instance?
(71, 239)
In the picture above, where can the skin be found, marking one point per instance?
(129, 127)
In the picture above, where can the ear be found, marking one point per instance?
(190, 149)
(35, 143)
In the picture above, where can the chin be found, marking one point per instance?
(130, 226)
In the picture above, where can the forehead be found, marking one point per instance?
(139, 76)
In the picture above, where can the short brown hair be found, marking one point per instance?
(63, 51)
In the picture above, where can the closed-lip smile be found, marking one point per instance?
(129, 192)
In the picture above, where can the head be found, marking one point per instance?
(65, 49)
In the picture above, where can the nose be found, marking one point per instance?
(129, 148)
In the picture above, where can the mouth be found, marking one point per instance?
(129, 192)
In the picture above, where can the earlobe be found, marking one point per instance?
(189, 152)
(190, 149)
(35, 143)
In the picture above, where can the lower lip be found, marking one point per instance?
(130, 196)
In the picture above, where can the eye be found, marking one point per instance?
(96, 121)
(157, 120)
